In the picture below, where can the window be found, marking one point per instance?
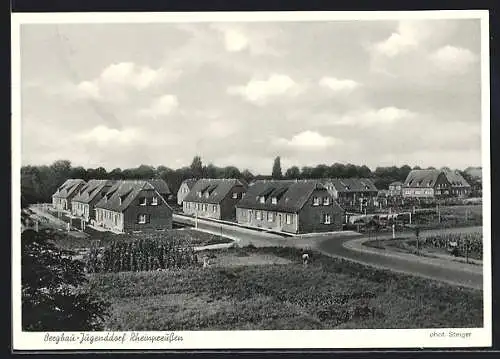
(327, 218)
(270, 216)
(116, 219)
(315, 201)
(235, 195)
(142, 201)
(205, 207)
(262, 199)
(214, 208)
(326, 201)
(258, 215)
(288, 219)
(207, 194)
(274, 200)
(199, 193)
(154, 201)
(141, 219)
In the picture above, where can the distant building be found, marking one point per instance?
(134, 205)
(430, 183)
(214, 198)
(162, 187)
(459, 186)
(351, 191)
(395, 189)
(61, 200)
(184, 189)
(290, 206)
(83, 204)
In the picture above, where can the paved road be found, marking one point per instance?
(335, 246)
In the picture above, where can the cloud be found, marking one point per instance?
(338, 85)
(258, 91)
(453, 59)
(308, 140)
(103, 135)
(235, 40)
(383, 116)
(220, 129)
(161, 106)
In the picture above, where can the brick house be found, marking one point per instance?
(214, 198)
(459, 186)
(395, 189)
(83, 204)
(290, 206)
(61, 199)
(426, 184)
(184, 189)
(133, 205)
(352, 191)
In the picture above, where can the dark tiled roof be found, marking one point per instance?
(351, 184)
(217, 189)
(160, 185)
(422, 178)
(396, 183)
(291, 195)
(456, 179)
(68, 188)
(90, 190)
(122, 193)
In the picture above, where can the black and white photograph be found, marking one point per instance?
(251, 180)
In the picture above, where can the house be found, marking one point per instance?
(84, 202)
(395, 189)
(430, 183)
(214, 198)
(352, 191)
(291, 206)
(133, 205)
(459, 186)
(162, 187)
(184, 189)
(61, 199)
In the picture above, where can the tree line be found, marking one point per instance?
(38, 183)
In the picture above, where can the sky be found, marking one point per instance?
(375, 93)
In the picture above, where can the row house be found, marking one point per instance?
(430, 183)
(459, 187)
(290, 206)
(134, 205)
(83, 204)
(395, 189)
(62, 198)
(352, 191)
(214, 198)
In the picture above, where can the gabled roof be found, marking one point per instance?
(189, 182)
(396, 183)
(422, 178)
(217, 190)
(351, 184)
(160, 185)
(290, 195)
(68, 188)
(90, 190)
(122, 193)
(456, 179)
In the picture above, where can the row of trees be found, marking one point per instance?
(38, 183)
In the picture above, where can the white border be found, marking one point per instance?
(366, 338)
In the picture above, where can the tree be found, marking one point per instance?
(197, 167)
(247, 175)
(293, 172)
(53, 294)
(276, 174)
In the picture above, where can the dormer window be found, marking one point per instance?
(154, 201)
(274, 200)
(326, 201)
(120, 201)
(315, 201)
(207, 194)
(199, 193)
(262, 199)
(235, 195)
(142, 201)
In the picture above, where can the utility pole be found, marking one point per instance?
(393, 231)
(417, 233)
(439, 213)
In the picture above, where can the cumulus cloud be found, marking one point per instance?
(383, 116)
(308, 140)
(453, 59)
(103, 135)
(336, 85)
(240, 37)
(258, 91)
(161, 106)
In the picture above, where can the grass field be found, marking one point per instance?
(268, 288)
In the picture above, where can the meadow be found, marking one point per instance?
(269, 288)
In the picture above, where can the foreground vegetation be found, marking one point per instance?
(328, 293)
